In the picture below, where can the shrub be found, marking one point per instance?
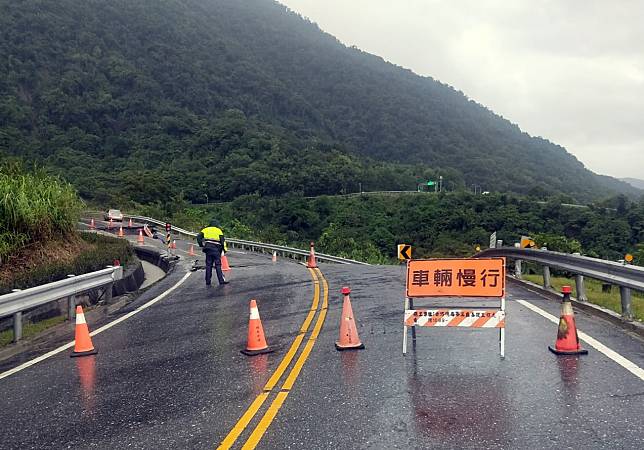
(34, 206)
(101, 251)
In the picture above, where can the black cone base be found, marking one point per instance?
(257, 352)
(356, 347)
(581, 351)
(87, 353)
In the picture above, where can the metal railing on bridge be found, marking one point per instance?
(627, 277)
(18, 301)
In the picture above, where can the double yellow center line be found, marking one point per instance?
(279, 399)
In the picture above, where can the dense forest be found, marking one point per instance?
(207, 100)
(368, 227)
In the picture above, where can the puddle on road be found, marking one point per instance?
(258, 370)
(453, 407)
(86, 366)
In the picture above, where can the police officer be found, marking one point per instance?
(211, 239)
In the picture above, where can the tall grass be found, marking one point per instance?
(34, 206)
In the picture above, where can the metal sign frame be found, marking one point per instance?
(455, 315)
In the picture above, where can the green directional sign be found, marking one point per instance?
(431, 183)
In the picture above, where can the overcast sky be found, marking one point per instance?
(571, 71)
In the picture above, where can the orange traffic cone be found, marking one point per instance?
(173, 244)
(567, 342)
(191, 252)
(224, 263)
(274, 259)
(109, 225)
(140, 239)
(120, 233)
(92, 224)
(83, 342)
(349, 339)
(311, 263)
(256, 343)
(129, 224)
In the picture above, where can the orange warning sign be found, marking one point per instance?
(480, 277)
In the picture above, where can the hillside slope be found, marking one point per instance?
(223, 97)
(635, 182)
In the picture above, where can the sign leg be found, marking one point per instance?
(413, 329)
(502, 332)
(405, 328)
(502, 341)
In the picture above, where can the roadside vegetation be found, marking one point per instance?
(38, 238)
(610, 300)
(368, 228)
(34, 207)
(83, 253)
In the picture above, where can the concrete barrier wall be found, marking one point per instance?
(153, 256)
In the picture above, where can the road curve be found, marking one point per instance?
(172, 375)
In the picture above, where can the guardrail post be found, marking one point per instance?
(107, 296)
(627, 311)
(17, 326)
(107, 293)
(17, 322)
(517, 268)
(546, 277)
(71, 304)
(581, 289)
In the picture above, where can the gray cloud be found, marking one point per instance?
(571, 71)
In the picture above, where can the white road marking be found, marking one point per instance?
(612, 354)
(95, 332)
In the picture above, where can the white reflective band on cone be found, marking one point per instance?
(80, 319)
(254, 314)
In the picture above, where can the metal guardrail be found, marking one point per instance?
(253, 246)
(627, 277)
(21, 300)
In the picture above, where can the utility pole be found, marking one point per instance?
(440, 183)
(360, 184)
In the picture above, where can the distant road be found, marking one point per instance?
(394, 193)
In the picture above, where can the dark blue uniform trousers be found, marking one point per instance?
(213, 256)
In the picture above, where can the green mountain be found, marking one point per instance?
(155, 99)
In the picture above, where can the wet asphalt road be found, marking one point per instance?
(172, 376)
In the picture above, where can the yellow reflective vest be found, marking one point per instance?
(212, 237)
